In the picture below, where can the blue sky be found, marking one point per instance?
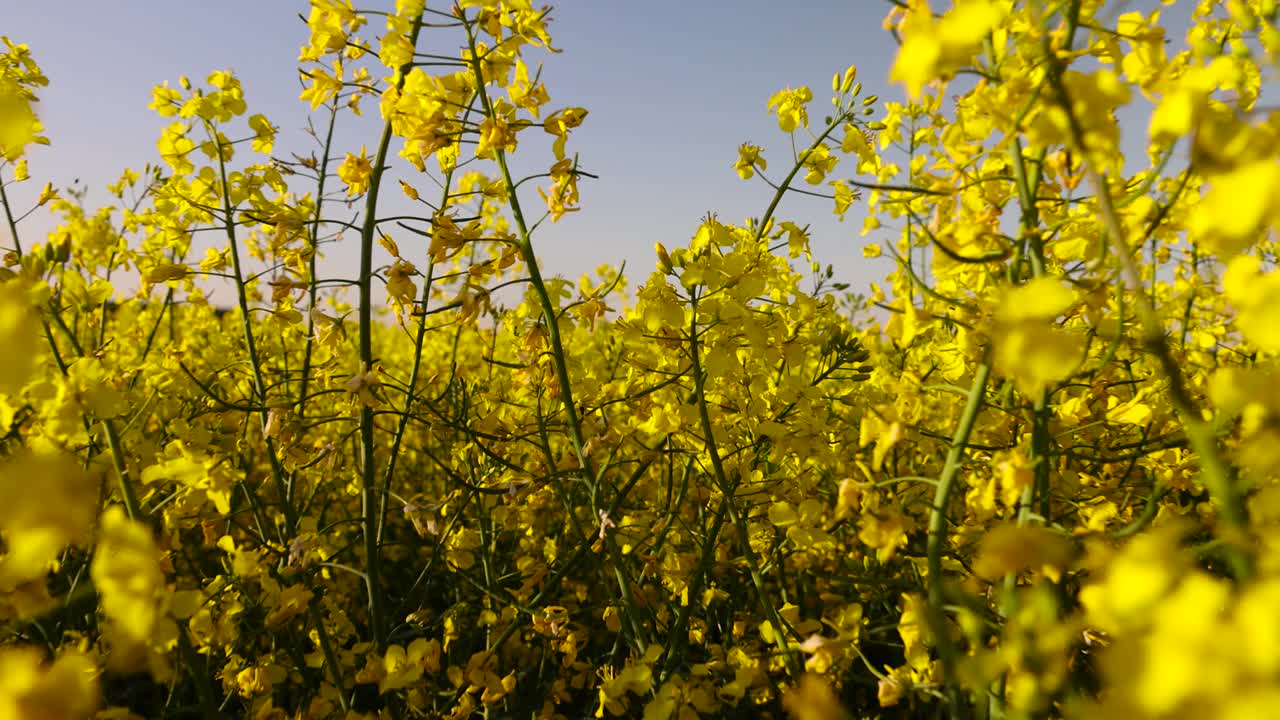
(672, 87)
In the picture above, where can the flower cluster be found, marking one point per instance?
(1032, 473)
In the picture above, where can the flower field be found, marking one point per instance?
(1034, 472)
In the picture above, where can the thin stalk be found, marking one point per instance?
(795, 170)
(246, 323)
(313, 291)
(132, 506)
(727, 490)
(371, 513)
(204, 688)
(13, 222)
(938, 531)
(1216, 472)
(416, 368)
(551, 322)
(330, 658)
(549, 315)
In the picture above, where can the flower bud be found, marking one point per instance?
(664, 259)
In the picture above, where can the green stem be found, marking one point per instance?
(679, 635)
(549, 315)
(938, 531)
(128, 494)
(313, 291)
(552, 324)
(795, 170)
(13, 222)
(371, 513)
(204, 689)
(246, 325)
(330, 658)
(1216, 472)
(727, 490)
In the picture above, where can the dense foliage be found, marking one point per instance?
(1033, 474)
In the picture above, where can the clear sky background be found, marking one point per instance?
(672, 88)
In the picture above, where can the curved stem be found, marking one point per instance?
(314, 290)
(1215, 471)
(727, 490)
(284, 487)
(781, 188)
(371, 513)
(938, 530)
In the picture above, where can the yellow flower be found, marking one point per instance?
(844, 197)
(324, 86)
(291, 603)
(559, 123)
(819, 162)
(913, 628)
(1255, 296)
(935, 48)
(39, 519)
(46, 194)
(855, 141)
(396, 50)
(404, 666)
(633, 679)
(330, 22)
(259, 679)
(885, 530)
(1029, 348)
(893, 687)
(165, 100)
(1138, 578)
(264, 134)
(400, 285)
(19, 126)
(525, 93)
(31, 690)
(175, 146)
(813, 699)
(1238, 208)
(1188, 637)
(748, 160)
(126, 572)
(789, 105)
(356, 171)
(1011, 549)
(19, 328)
